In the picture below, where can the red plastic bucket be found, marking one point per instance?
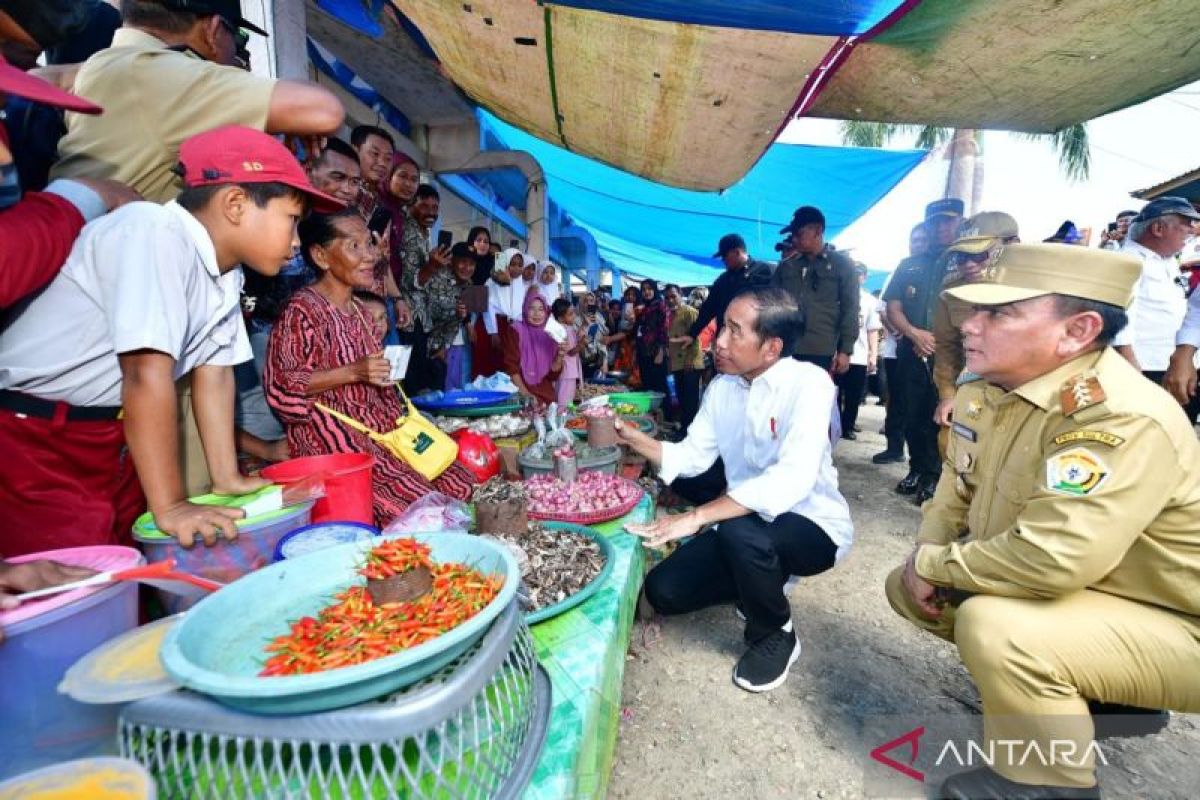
(348, 494)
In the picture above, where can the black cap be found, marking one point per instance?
(804, 215)
(1127, 213)
(48, 22)
(229, 10)
(1165, 206)
(730, 241)
(946, 207)
(462, 250)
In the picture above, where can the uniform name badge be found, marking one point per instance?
(965, 432)
(1076, 472)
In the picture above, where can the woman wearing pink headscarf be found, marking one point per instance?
(529, 355)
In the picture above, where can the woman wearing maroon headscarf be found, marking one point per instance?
(396, 193)
(529, 355)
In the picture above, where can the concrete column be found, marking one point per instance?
(284, 53)
(456, 149)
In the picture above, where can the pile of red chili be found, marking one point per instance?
(354, 630)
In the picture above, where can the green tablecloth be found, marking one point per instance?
(584, 653)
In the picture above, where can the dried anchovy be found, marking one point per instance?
(498, 490)
(560, 563)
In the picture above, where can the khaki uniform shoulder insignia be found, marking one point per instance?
(1081, 392)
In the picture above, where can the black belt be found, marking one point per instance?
(51, 409)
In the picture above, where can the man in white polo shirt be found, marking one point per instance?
(767, 417)
(1157, 236)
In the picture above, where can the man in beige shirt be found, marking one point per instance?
(1061, 551)
(167, 76)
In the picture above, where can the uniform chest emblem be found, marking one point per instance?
(1076, 472)
(974, 409)
(910, 291)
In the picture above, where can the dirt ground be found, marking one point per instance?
(687, 731)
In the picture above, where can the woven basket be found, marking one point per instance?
(593, 517)
(510, 516)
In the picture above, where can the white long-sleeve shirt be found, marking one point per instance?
(1189, 331)
(1157, 311)
(504, 300)
(773, 436)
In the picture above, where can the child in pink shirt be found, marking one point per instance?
(572, 371)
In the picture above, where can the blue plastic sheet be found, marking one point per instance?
(818, 17)
(677, 227)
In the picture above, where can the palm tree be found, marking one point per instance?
(965, 179)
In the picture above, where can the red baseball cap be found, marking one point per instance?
(237, 154)
(22, 84)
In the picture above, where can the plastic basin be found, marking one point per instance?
(87, 779)
(322, 535)
(601, 459)
(218, 647)
(349, 495)
(225, 561)
(40, 725)
(642, 401)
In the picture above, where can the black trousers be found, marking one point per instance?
(897, 407)
(852, 387)
(745, 560)
(824, 362)
(419, 377)
(654, 376)
(1192, 409)
(687, 387)
(705, 487)
(915, 379)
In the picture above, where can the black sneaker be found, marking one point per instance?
(1114, 720)
(765, 665)
(888, 457)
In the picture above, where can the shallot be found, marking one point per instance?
(592, 492)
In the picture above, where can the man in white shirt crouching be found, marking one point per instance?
(767, 417)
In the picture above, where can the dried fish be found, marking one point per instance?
(498, 490)
(560, 563)
(497, 426)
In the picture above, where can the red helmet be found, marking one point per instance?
(478, 453)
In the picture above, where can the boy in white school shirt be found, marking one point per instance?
(148, 295)
(767, 417)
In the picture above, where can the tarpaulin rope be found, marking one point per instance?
(558, 120)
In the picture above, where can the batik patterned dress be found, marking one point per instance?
(311, 335)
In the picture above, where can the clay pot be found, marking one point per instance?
(509, 516)
(602, 431)
(402, 588)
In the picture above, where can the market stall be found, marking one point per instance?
(321, 656)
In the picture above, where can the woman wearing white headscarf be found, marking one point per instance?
(506, 295)
(548, 284)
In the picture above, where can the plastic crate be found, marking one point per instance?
(474, 729)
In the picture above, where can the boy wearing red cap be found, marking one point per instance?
(148, 295)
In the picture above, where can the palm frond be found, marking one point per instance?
(856, 133)
(930, 136)
(1074, 151)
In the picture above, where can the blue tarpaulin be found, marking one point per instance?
(646, 228)
(817, 17)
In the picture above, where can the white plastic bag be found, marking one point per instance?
(433, 513)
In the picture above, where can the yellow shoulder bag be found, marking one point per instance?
(416, 441)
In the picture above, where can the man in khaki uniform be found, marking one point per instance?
(1061, 550)
(977, 242)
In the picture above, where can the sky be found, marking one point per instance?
(1132, 149)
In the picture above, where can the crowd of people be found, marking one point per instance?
(190, 291)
